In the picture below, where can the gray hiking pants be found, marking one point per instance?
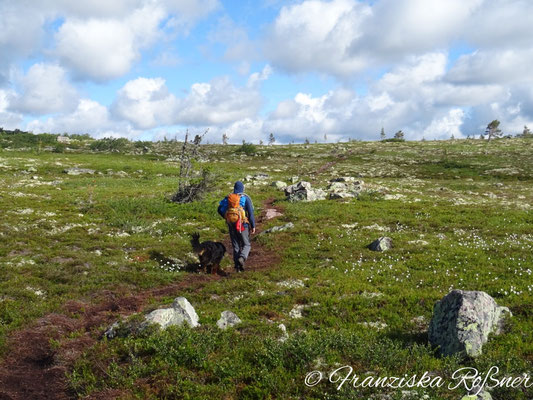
(240, 241)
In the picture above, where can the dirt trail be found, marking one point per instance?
(34, 368)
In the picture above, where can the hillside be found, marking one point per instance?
(77, 254)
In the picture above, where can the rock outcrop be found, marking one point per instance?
(302, 191)
(344, 187)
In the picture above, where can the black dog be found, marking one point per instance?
(209, 253)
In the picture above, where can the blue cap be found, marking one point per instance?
(239, 187)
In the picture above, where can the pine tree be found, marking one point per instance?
(493, 130)
(271, 139)
(225, 139)
(382, 135)
(399, 135)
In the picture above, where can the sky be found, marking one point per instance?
(318, 70)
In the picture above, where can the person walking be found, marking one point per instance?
(238, 211)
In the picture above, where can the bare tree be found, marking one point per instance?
(191, 184)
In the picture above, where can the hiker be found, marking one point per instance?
(238, 211)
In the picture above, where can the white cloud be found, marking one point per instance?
(45, 89)
(239, 47)
(218, 102)
(406, 27)
(500, 24)
(316, 35)
(103, 49)
(20, 33)
(346, 37)
(258, 77)
(8, 119)
(444, 127)
(494, 66)
(99, 39)
(190, 10)
(93, 8)
(89, 117)
(146, 103)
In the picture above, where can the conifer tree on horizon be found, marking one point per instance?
(493, 130)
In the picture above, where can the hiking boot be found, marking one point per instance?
(241, 261)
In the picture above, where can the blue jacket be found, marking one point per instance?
(245, 202)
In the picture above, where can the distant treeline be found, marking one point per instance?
(18, 139)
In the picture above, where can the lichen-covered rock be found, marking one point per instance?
(381, 244)
(228, 319)
(463, 320)
(280, 228)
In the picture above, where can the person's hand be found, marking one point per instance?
(253, 230)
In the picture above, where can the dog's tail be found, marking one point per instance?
(195, 242)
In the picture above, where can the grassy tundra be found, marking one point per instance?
(459, 213)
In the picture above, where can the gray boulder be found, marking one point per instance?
(228, 319)
(463, 320)
(381, 244)
(181, 312)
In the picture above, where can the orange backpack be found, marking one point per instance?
(235, 211)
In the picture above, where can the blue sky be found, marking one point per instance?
(145, 69)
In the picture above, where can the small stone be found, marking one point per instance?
(228, 319)
(381, 244)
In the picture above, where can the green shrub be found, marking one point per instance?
(116, 145)
(247, 148)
